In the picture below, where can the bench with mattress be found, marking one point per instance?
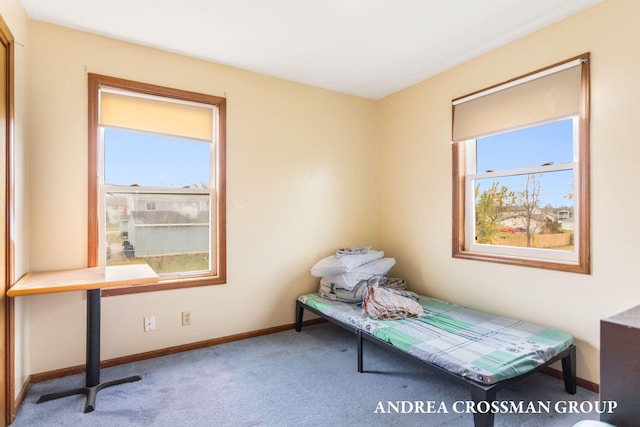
(485, 351)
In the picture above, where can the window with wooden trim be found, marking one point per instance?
(521, 170)
(157, 181)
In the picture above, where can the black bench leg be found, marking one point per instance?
(299, 312)
(483, 416)
(569, 371)
(359, 338)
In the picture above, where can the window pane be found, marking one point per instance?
(534, 210)
(170, 232)
(148, 160)
(529, 147)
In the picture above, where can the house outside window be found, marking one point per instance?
(520, 170)
(157, 193)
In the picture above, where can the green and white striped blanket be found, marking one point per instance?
(481, 346)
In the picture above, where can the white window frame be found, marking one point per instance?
(472, 175)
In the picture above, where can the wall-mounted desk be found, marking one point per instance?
(92, 280)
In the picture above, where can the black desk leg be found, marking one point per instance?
(92, 378)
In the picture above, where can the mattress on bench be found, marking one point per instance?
(481, 346)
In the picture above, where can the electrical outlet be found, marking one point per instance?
(186, 318)
(149, 323)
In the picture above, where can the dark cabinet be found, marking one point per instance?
(620, 366)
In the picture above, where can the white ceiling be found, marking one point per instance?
(369, 48)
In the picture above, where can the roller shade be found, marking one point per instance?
(153, 115)
(544, 96)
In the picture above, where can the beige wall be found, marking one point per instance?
(310, 170)
(415, 182)
(301, 174)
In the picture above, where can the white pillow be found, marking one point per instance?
(348, 281)
(379, 266)
(331, 265)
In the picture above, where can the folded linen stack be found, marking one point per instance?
(346, 275)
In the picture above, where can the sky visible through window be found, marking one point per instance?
(530, 147)
(154, 161)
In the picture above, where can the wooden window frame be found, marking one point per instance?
(583, 263)
(96, 82)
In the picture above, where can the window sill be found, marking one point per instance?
(166, 285)
(581, 267)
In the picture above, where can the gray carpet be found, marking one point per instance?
(285, 379)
